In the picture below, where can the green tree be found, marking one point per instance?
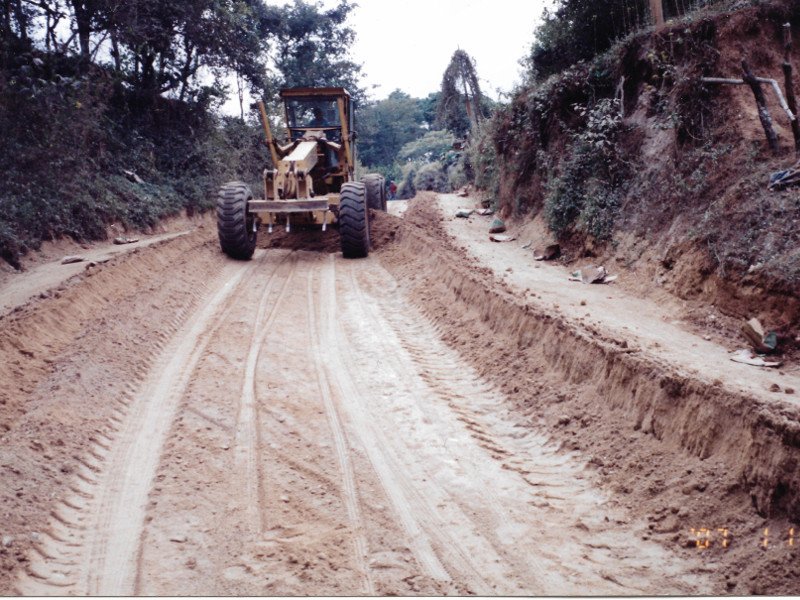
(578, 30)
(429, 107)
(386, 126)
(91, 88)
(432, 146)
(460, 105)
(311, 47)
(162, 46)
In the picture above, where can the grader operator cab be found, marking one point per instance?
(311, 181)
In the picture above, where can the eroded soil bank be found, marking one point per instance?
(680, 451)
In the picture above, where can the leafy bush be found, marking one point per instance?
(588, 189)
(430, 147)
(457, 176)
(431, 177)
(480, 158)
(407, 189)
(67, 140)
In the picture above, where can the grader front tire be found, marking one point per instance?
(376, 191)
(353, 220)
(236, 228)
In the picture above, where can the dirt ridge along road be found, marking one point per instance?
(682, 453)
(69, 365)
(94, 542)
(498, 537)
(17, 288)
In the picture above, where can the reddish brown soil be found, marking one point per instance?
(69, 361)
(676, 452)
(319, 435)
(313, 239)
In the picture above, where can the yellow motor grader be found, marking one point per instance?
(311, 181)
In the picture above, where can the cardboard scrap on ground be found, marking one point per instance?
(464, 213)
(133, 177)
(501, 237)
(763, 342)
(550, 252)
(68, 260)
(486, 212)
(497, 226)
(592, 275)
(747, 357)
(782, 179)
(125, 240)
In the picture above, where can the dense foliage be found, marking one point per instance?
(412, 140)
(461, 105)
(576, 30)
(627, 151)
(90, 89)
(385, 126)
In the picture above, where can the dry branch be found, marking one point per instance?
(789, 83)
(761, 102)
(771, 82)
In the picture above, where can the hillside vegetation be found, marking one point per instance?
(92, 90)
(413, 140)
(627, 158)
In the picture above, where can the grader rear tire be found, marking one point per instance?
(237, 235)
(376, 191)
(353, 220)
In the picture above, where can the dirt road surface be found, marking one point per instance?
(178, 423)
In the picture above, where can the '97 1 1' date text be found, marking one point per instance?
(721, 537)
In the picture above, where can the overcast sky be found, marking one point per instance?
(407, 44)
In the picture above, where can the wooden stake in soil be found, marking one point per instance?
(761, 102)
(789, 83)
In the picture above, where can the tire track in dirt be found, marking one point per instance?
(326, 525)
(92, 544)
(499, 520)
(247, 438)
(396, 491)
(349, 489)
(439, 506)
(453, 522)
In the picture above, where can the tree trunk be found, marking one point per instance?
(657, 12)
(761, 102)
(240, 91)
(51, 39)
(48, 29)
(148, 81)
(186, 70)
(22, 21)
(791, 100)
(470, 115)
(115, 51)
(6, 20)
(83, 23)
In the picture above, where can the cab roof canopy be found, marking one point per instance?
(311, 91)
